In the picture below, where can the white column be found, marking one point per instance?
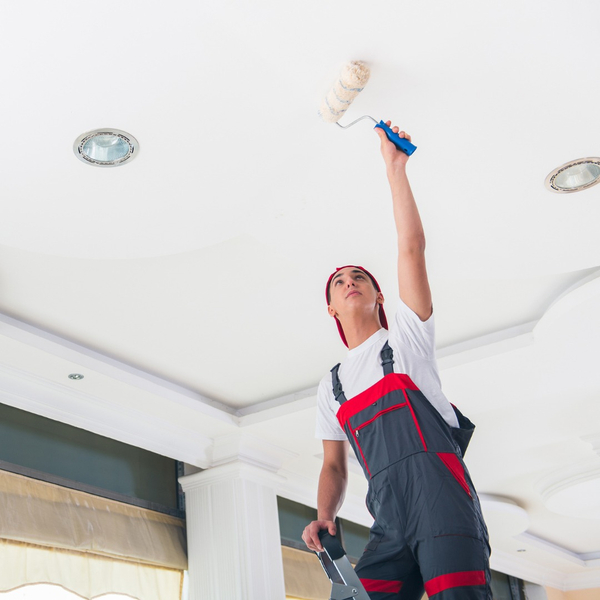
(234, 546)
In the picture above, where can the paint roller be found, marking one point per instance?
(352, 80)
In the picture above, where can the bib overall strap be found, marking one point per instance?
(338, 392)
(387, 359)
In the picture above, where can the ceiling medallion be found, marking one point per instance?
(504, 517)
(573, 491)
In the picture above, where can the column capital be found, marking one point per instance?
(249, 449)
(233, 470)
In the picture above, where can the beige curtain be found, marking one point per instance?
(42, 523)
(87, 575)
(304, 576)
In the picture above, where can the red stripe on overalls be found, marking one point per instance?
(389, 383)
(456, 468)
(360, 449)
(381, 585)
(412, 412)
(452, 580)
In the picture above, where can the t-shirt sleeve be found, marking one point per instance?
(408, 329)
(328, 427)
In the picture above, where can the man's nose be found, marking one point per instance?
(350, 282)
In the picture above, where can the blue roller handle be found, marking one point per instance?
(400, 143)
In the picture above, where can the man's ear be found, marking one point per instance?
(380, 298)
(332, 312)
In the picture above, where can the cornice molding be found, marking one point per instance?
(103, 417)
(101, 363)
(589, 560)
(580, 292)
(478, 348)
(277, 407)
(486, 346)
(523, 569)
(582, 581)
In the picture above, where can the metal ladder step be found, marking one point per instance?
(345, 584)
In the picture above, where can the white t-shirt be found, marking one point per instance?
(413, 343)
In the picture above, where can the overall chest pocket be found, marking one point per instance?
(385, 436)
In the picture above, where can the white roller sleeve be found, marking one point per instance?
(352, 80)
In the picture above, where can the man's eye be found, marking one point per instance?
(337, 281)
(359, 277)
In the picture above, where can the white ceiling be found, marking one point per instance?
(188, 285)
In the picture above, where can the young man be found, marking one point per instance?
(386, 401)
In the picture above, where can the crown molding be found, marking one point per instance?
(277, 407)
(580, 292)
(115, 369)
(109, 418)
(588, 560)
(486, 346)
(524, 569)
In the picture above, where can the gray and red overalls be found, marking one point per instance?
(429, 533)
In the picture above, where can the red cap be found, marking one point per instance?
(382, 317)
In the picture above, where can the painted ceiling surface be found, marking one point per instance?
(188, 285)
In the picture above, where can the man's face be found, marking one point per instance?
(352, 290)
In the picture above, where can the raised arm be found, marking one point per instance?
(412, 273)
(332, 490)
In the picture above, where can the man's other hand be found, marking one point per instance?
(311, 534)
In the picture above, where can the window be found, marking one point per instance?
(47, 450)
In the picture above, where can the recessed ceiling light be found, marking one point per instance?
(574, 176)
(106, 147)
(76, 376)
